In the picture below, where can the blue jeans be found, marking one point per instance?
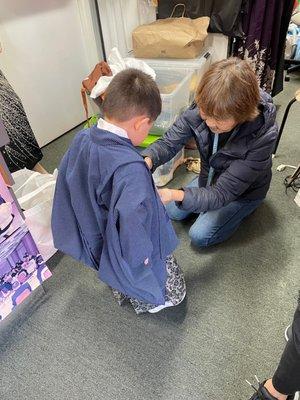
(216, 226)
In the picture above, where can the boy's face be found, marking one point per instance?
(218, 126)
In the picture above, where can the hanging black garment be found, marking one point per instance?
(225, 16)
(265, 25)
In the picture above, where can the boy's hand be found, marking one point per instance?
(149, 162)
(168, 195)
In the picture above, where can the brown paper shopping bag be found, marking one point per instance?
(170, 38)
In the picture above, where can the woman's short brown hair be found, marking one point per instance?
(229, 89)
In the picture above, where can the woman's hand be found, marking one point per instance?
(168, 195)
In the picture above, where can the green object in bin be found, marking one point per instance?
(92, 120)
(149, 140)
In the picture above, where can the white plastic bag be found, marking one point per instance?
(164, 173)
(35, 193)
(118, 64)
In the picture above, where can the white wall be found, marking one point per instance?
(119, 18)
(48, 48)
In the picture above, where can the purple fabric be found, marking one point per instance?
(262, 42)
(30, 245)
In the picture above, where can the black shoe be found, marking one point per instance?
(261, 393)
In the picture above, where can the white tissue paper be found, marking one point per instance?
(118, 64)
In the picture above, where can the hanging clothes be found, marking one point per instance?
(265, 25)
(23, 150)
(225, 17)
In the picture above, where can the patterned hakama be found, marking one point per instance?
(175, 289)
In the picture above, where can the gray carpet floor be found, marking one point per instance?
(70, 340)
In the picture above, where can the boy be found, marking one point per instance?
(107, 212)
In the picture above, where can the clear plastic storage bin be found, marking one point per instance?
(174, 90)
(196, 66)
(165, 172)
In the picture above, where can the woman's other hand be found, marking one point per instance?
(168, 195)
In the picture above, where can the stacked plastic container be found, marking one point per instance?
(177, 80)
(174, 87)
(195, 66)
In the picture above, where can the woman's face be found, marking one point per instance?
(218, 126)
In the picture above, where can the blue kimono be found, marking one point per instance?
(107, 214)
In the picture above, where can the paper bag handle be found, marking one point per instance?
(85, 105)
(184, 9)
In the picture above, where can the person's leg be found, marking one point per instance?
(175, 290)
(176, 213)
(286, 379)
(216, 226)
(175, 284)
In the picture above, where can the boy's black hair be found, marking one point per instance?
(131, 93)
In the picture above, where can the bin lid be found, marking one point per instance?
(187, 63)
